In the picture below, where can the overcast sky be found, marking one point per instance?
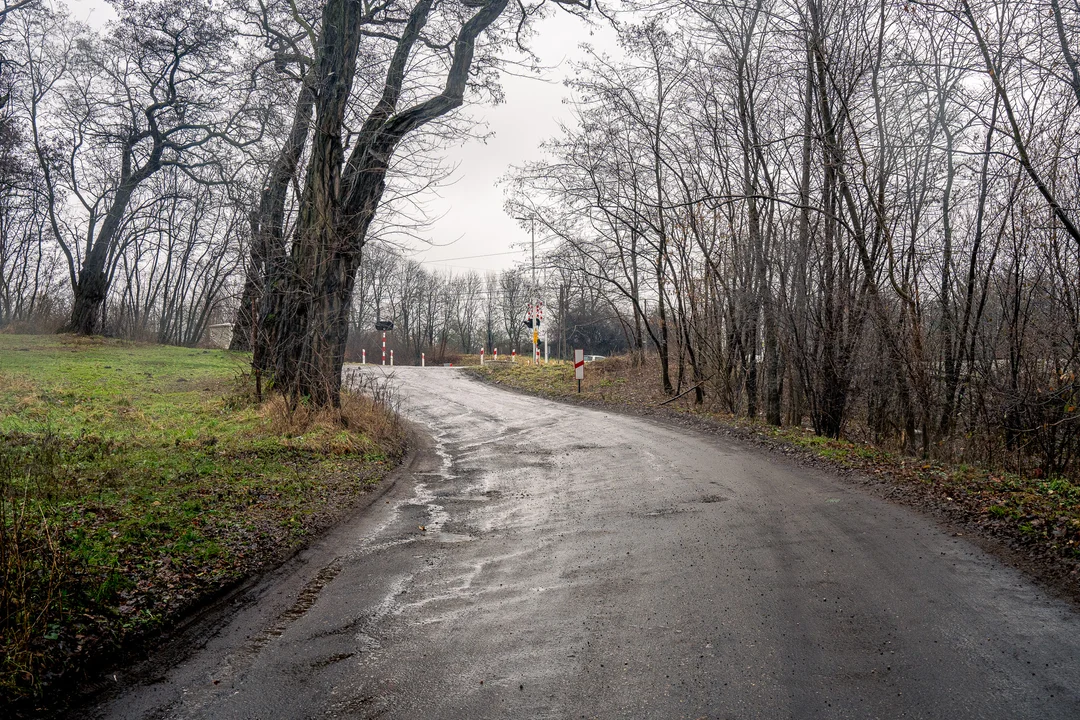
(470, 230)
(470, 214)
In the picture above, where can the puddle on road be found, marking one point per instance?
(424, 498)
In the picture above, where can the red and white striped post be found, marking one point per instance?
(536, 359)
(579, 366)
(384, 347)
(496, 358)
(363, 357)
(423, 360)
(481, 356)
(391, 358)
(513, 355)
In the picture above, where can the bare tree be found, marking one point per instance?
(108, 112)
(304, 318)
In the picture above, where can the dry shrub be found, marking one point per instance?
(613, 365)
(366, 420)
(242, 392)
(35, 572)
(46, 325)
(453, 358)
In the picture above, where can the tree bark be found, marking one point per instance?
(306, 314)
(268, 222)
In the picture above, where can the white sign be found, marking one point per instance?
(579, 363)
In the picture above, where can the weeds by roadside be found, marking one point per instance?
(35, 573)
(136, 480)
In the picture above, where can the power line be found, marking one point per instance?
(471, 257)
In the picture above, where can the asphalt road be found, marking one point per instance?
(574, 563)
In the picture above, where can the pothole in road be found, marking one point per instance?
(460, 528)
(452, 532)
(714, 499)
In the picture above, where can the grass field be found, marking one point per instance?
(137, 479)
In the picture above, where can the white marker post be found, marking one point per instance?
(391, 358)
(363, 357)
(513, 355)
(423, 360)
(539, 317)
(579, 366)
(496, 358)
(481, 356)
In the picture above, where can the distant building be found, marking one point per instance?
(219, 335)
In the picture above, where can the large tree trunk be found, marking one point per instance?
(88, 307)
(292, 283)
(268, 222)
(92, 288)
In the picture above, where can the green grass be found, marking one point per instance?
(554, 379)
(135, 479)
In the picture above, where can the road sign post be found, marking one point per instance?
(579, 366)
(536, 339)
(384, 325)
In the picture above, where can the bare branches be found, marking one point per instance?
(890, 268)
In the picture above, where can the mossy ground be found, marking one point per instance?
(136, 480)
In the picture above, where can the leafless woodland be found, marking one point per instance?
(862, 216)
(859, 215)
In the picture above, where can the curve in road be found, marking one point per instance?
(547, 561)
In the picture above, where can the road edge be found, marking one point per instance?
(143, 665)
(1056, 575)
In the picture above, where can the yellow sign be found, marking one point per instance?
(536, 336)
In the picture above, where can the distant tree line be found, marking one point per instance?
(190, 161)
(857, 215)
(443, 315)
(119, 151)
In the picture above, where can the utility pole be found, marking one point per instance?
(535, 310)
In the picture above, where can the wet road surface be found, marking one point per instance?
(575, 563)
